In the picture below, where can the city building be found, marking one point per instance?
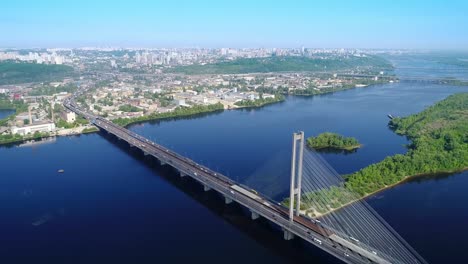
(31, 129)
(68, 116)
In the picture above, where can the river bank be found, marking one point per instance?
(15, 139)
(405, 180)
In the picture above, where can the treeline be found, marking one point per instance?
(178, 112)
(13, 72)
(50, 90)
(439, 137)
(333, 141)
(129, 108)
(284, 64)
(261, 101)
(80, 121)
(10, 138)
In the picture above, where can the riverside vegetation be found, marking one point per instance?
(178, 112)
(333, 141)
(439, 144)
(260, 102)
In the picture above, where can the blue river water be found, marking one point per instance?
(113, 205)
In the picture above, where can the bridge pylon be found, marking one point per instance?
(296, 178)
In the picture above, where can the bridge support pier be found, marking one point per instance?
(254, 215)
(227, 200)
(206, 188)
(287, 235)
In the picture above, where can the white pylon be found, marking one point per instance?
(295, 188)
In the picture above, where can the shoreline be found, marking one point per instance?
(88, 130)
(407, 178)
(336, 148)
(257, 106)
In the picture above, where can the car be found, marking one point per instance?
(317, 241)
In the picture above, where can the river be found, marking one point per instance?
(112, 205)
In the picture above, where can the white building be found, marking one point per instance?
(68, 116)
(31, 129)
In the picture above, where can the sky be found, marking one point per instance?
(410, 24)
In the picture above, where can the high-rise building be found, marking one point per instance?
(137, 57)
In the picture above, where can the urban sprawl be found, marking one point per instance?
(132, 83)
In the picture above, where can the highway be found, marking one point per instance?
(306, 228)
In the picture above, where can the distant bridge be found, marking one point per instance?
(414, 78)
(293, 223)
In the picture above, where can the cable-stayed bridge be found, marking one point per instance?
(353, 234)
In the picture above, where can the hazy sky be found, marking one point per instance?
(428, 24)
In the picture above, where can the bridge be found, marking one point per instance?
(328, 233)
(412, 78)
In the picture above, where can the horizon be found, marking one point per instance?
(397, 25)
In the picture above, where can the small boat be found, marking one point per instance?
(390, 116)
(61, 171)
(42, 220)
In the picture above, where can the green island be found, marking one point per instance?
(13, 72)
(283, 64)
(260, 102)
(332, 141)
(439, 144)
(178, 112)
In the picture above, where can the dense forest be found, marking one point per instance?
(12, 72)
(439, 137)
(284, 64)
(333, 141)
(178, 112)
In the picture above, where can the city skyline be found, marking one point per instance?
(208, 24)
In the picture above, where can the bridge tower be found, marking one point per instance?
(296, 178)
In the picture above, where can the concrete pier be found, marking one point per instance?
(254, 215)
(288, 235)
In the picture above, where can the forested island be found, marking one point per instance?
(439, 144)
(12, 72)
(284, 64)
(329, 140)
